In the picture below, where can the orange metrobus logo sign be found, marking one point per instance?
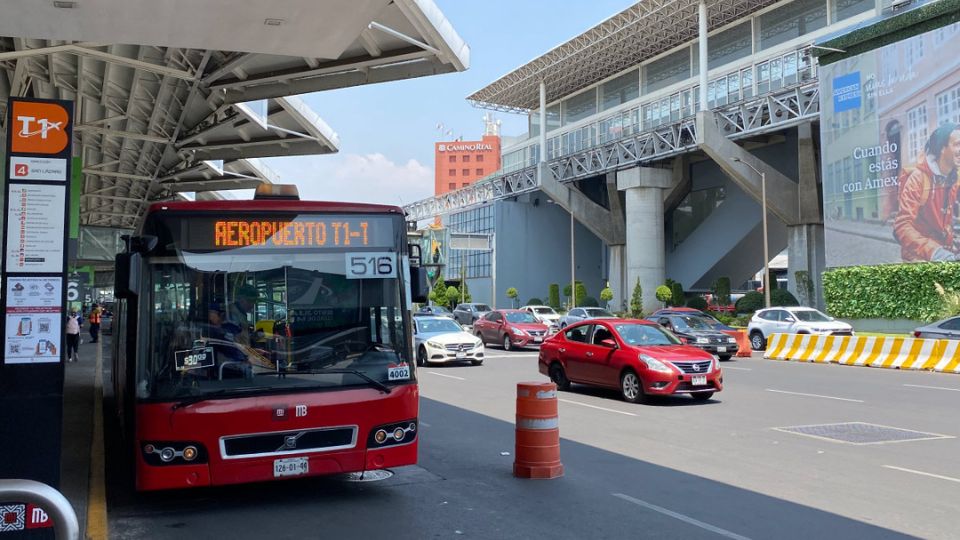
(38, 128)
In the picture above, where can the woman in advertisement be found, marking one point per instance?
(927, 197)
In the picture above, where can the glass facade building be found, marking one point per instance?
(474, 263)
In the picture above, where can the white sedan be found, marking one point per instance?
(442, 340)
(544, 314)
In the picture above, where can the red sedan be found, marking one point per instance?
(510, 328)
(639, 358)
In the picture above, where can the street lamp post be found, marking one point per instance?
(766, 248)
(573, 266)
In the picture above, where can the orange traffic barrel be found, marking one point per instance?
(743, 342)
(537, 450)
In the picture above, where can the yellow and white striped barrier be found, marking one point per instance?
(874, 351)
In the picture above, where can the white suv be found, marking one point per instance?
(544, 314)
(792, 320)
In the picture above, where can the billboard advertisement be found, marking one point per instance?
(890, 149)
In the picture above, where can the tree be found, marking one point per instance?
(567, 290)
(664, 294)
(606, 295)
(721, 291)
(677, 297)
(581, 293)
(636, 301)
(453, 296)
(512, 294)
(553, 296)
(697, 302)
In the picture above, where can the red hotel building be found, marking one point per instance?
(457, 164)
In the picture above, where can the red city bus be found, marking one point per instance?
(265, 339)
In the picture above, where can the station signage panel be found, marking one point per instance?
(37, 168)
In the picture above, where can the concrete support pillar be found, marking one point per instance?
(806, 263)
(617, 273)
(543, 122)
(645, 256)
(702, 37)
(805, 242)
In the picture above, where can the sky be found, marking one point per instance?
(387, 130)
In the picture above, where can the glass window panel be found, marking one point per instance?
(789, 69)
(776, 73)
(733, 86)
(534, 123)
(843, 9)
(580, 106)
(553, 117)
(746, 82)
(620, 90)
(730, 45)
(791, 21)
(668, 70)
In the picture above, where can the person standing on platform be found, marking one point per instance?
(73, 336)
(94, 319)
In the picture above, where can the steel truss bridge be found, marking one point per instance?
(774, 111)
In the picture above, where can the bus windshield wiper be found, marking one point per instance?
(373, 382)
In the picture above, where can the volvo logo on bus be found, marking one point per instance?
(290, 442)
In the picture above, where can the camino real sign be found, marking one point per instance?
(890, 152)
(37, 171)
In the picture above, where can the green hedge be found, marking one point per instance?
(892, 291)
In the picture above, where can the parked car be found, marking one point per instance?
(695, 330)
(576, 315)
(545, 314)
(439, 311)
(469, 313)
(792, 320)
(441, 339)
(638, 357)
(712, 321)
(945, 329)
(510, 328)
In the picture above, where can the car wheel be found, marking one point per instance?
(559, 377)
(631, 388)
(422, 357)
(507, 344)
(757, 342)
(724, 358)
(701, 396)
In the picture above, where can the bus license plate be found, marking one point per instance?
(290, 467)
(698, 380)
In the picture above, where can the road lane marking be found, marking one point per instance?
(681, 517)
(921, 473)
(596, 407)
(97, 523)
(447, 376)
(517, 355)
(933, 387)
(736, 368)
(815, 395)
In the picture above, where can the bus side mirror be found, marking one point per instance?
(418, 284)
(127, 275)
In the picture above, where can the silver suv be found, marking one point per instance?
(792, 320)
(469, 313)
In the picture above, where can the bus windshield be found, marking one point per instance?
(251, 319)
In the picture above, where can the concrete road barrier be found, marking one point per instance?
(874, 351)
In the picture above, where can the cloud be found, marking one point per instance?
(366, 178)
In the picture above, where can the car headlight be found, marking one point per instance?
(703, 341)
(731, 340)
(478, 343)
(716, 364)
(654, 364)
(517, 331)
(434, 345)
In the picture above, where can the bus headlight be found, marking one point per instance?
(392, 434)
(160, 453)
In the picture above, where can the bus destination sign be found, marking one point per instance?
(287, 232)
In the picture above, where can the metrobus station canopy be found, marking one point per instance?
(186, 95)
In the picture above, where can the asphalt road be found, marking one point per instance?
(675, 469)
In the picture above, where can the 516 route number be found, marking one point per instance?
(375, 265)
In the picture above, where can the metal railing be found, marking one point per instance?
(51, 501)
